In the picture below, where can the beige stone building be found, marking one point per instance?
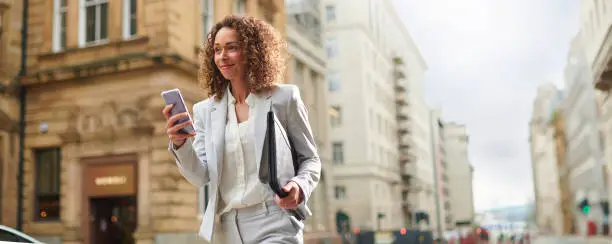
(96, 164)
(10, 26)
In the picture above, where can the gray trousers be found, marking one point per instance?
(264, 223)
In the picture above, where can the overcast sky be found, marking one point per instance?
(486, 59)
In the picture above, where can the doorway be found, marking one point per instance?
(112, 220)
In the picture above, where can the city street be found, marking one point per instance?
(571, 240)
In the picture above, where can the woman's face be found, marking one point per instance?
(228, 54)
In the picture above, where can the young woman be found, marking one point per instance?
(241, 63)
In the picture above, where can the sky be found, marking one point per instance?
(485, 60)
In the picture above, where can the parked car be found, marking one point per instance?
(10, 235)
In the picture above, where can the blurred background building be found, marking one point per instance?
(596, 21)
(441, 219)
(460, 176)
(544, 159)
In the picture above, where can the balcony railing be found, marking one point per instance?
(400, 99)
(400, 87)
(403, 128)
(402, 116)
(409, 169)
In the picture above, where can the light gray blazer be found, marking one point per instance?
(199, 159)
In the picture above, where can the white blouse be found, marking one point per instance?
(240, 186)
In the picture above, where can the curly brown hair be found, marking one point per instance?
(264, 48)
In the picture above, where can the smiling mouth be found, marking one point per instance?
(227, 66)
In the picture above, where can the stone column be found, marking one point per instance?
(71, 186)
(144, 232)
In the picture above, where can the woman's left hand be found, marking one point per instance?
(293, 199)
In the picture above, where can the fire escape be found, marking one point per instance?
(406, 159)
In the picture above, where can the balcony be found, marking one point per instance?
(406, 203)
(406, 156)
(403, 129)
(402, 117)
(400, 99)
(400, 87)
(409, 170)
(403, 145)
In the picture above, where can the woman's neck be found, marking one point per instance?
(239, 90)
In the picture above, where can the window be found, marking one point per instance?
(336, 116)
(239, 6)
(93, 22)
(338, 153)
(12, 237)
(47, 184)
(129, 19)
(330, 13)
(333, 82)
(59, 25)
(331, 47)
(340, 192)
(206, 15)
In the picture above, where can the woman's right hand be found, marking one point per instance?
(173, 131)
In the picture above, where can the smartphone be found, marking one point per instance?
(174, 97)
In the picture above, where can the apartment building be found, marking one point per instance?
(596, 21)
(94, 142)
(460, 175)
(544, 159)
(364, 41)
(584, 141)
(307, 69)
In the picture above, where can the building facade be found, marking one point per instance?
(307, 69)
(544, 160)
(596, 21)
(441, 217)
(362, 40)
(460, 175)
(584, 140)
(10, 66)
(95, 159)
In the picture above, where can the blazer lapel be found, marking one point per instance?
(218, 117)
(260, 125)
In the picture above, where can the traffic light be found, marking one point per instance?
(584, 206)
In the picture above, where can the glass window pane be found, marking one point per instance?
(62, 34)
(133, 17)
(90, 23)
(48, 208)
(48, 171)
(103, 21)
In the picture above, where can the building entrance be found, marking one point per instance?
(113, 220)
(110, 196)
